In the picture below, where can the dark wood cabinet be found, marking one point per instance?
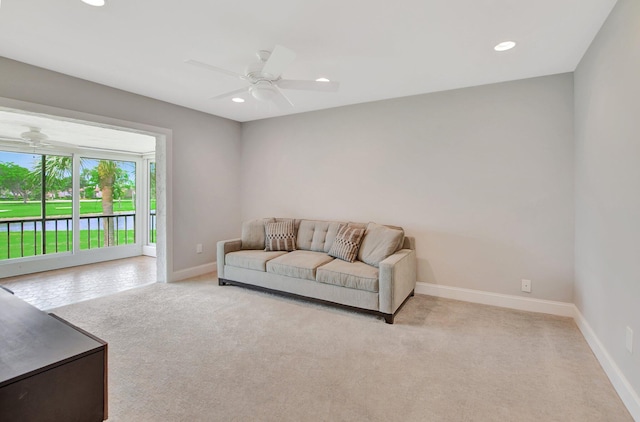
(50, 370)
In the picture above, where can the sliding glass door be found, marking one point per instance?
(108, 203)
(42, 214)
(35, 204)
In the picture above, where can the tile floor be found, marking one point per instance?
(51, 289)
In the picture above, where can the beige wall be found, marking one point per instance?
(482, 177)
(607, 122)
(205, 156)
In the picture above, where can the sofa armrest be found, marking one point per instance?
(397, 279)
(224, 247)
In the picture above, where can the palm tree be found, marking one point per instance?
(107, 171)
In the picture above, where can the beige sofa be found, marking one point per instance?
(380, 285)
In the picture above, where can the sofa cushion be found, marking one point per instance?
(315, 235)
(251, 260)
(379, 242)
(280, 236)
(347, 242)
(298, 264)
(354, 275)
(253, 233)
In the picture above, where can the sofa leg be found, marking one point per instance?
(221, 283)
(388, 318)
(413, 293)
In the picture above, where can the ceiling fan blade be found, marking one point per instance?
(230, 93)
(280, 58)
(10, 143)
(281, 100)
(309, 85)
(214, 68)
(12, 139)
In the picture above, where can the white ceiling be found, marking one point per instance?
(377, 49)
(89, 137)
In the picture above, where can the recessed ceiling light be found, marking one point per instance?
(237, 100)
(94, 2)
(504, 46)
(322, 80)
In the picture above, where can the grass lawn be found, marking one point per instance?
(33, 241)
(63, 208)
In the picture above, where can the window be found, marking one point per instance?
(37, 203)
(107, 203)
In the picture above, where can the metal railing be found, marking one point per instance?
(152, 226)
(28, 233)
(111, 225)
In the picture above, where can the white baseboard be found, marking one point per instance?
(149, 251)
(193, 271)
(618, 380)
(620, 383)
(497, 299)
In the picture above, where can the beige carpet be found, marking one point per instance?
(195, 351)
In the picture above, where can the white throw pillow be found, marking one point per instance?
(379, 243)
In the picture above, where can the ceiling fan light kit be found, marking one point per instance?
(263, 91)
(504, 46)
(265, 80)
(96, 3)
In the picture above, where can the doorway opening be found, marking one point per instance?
(78, 191)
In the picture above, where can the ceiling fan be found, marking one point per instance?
(264, 78)
(36, 139)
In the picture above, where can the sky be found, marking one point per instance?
(21, 159)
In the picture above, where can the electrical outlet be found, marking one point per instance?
(199, 248)
(526, 285)
(629, 341)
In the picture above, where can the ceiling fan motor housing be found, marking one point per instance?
(262, 88)
(254, 70)
(33, 135)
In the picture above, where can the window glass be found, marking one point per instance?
(107, 203)
(22, 194)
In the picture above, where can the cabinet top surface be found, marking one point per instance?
(31, 339)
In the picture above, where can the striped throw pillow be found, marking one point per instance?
(280, 236)
(347, 242)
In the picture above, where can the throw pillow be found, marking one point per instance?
(347, 242)
(379, 242)
(280, 236)
(253, 233)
